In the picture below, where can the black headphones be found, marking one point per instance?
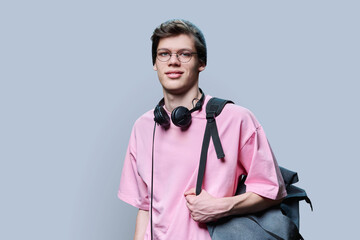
(180, 116)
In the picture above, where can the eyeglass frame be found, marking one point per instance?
(177, 54)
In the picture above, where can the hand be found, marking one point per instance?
(204, 207)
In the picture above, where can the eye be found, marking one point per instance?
(185, 54)
(163, 54)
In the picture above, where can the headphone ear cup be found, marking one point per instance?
(181, 117)
(161, 116)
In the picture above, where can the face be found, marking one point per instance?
(177, 77)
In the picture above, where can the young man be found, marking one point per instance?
(173, 150)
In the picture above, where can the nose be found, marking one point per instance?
(174, 60)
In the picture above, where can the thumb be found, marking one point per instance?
(190, 192)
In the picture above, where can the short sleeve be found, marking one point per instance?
(133, 189)
(263, 174)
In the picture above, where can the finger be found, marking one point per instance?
(189, 206)
(189, 198)
(190, 192)
(194, 217)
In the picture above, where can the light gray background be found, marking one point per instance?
(75, 75)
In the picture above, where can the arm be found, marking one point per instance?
(142, 220)
(206, 208)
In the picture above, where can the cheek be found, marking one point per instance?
(159, 76)
(194, 70)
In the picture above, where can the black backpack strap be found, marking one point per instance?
(213, 109)
(215, 106)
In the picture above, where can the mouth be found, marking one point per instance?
(174, 74)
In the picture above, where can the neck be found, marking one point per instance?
(186, 99)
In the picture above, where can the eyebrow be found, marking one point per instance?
(181, 49)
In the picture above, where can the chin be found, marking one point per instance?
(172, 85)
(176, 89)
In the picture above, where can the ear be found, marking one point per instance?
(201, 67)
(155, 67)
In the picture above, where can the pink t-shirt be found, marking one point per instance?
(176, 161)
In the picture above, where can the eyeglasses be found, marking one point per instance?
(183, 56)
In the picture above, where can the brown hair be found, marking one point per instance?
(176, 27)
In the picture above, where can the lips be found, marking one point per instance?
(174, 74)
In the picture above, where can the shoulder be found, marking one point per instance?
(239, 114)
(235, 109)
(146, 120)
(142, 128)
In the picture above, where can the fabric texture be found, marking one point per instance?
(176, 159)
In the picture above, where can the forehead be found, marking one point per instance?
(181, 41)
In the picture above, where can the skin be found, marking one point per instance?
(206, 208)
(180, 91)
(142, 220)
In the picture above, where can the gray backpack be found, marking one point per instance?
(279, 222)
